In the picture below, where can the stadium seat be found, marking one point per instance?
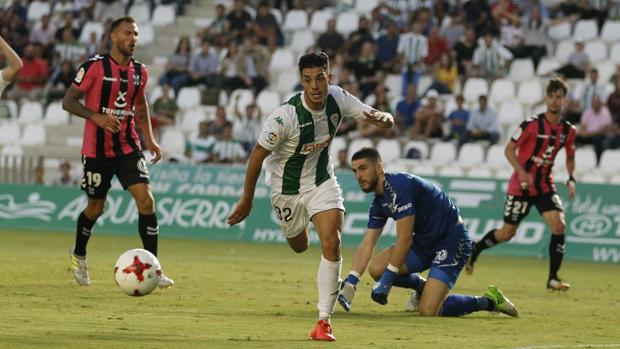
(443, 153)
(358, 144)
(474, 87)
(141, 12)
(55, 115)
(495, 157)
(389, 150)
(611, 32)
(615, 179)
(504, 173)
(10, 156)
(9, 133)
(302, 40)
(277, 14)
(501, 90)
(560, 160)
(547, 65)
(286, 82)
(189, 97)
(12, 106)
(451, 170)
(610, 162)
(295, 20)
(33, 134)
(37, 9)
(530, 92)
(173, 140)
(479, 172)
(510, 113)
(423, 169)
(337, 144)
(30, 112)
(163, 15)
(156, 93)
(245, 97)
(364, 7)
(191, 118)
(424, 83)
(596, 51)
(268, 101)
(559, 31)
(147, 35)
(347, 22)
(318, 23)
(521, 69)
(586, 159)
(614, 53)
(563, 49)
(592, 178)
(471, 155)
(585, 30)
(421, 146)
(282, 59)
(394, 84)
(90, 27)
(606, 70)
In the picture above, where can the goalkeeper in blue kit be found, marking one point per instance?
(430, 235)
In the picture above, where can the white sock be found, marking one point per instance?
(327, 279)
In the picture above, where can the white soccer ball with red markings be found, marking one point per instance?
(137, 272)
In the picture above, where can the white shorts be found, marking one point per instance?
(295, 211)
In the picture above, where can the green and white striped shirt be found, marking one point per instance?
(299, 139)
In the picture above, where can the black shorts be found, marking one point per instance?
(518, 207)
(98, 172)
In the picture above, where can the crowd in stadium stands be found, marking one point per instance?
(435, 47)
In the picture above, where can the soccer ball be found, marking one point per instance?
(137, 272)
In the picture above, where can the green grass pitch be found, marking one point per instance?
(237, 295)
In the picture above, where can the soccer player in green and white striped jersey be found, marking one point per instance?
(295, 143)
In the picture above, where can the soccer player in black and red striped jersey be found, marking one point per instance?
(113, 86)
(531, 152)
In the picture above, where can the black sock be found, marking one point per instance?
(487, 241)
(84, 227)
(556, 253)
(147, 225)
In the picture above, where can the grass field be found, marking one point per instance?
(263, 296)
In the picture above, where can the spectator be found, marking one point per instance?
(504, 11)
(590, 90)
(412, 49)
(429, 118)
(219, 25)
(253, 64)
(240, 20)
(453, 29)
(366, 69)
(247, 125)
(16, 8)
(105, 9)
(613, 104)
(445, 75)
(163, 111)
(60, 81)
(229, 68)
(478, 16)
(266, 27)
(16, 34)
(216, 128)
(616, 76)
(39, 174)
(176, 74)
(68, 24)
(199, 146)
(30, 81)
(381, 102)
(406, 110)
(578, 63)
(203, 66)
(359, 37)
(43, 32)
(482, 123)
(60, 7)
(66, 179)
(93, 46)
(69, 49)
(226, 150)
(465, 52)
(534, 44)
(343, 161)
(387, 45)
(331, 41)
(437, 46)
(458, 121)
(596, 122)
(490, 60)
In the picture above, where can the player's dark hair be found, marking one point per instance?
(367, 153)
(556, 84)
(314, 59)
(118, 21)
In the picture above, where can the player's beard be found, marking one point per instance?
(372, 184)
(126, 51)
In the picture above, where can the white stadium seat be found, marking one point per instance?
(55, 115)
(611, 31)
(286, 82)
(596, 51)
(37, 9)
(141, 12)
(33, 134)
(9, 133)
(347, 22)
(268, 101)
(277, 14)
(559, 31)
(501, 90)
(586, 159)
(614, 53)
(510, 113)
(564, 49)
(295, 20)
(282, 59)
(585, 29)
(11, 156)
(479, 172)
(358, 144)
(547, 65)
(610, 162)
(606, 70)
(147, 35)
(521, 69)
(443, 153)
(592, 178)
(30, 112)
(451, 171)
(189, 97)
(423, 169)
(173, 140)
(90, 27)
(389, 150)
(156, 92)
(471, 155)
(495, 157)
(421, 146)
(318, 23)
(474, 87)
(302, 40)
(364, 7)
(191, 118)
(530, 92)
(337, 144)
(163, 15)
(394, 84)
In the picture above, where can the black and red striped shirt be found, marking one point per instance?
(111, 88)
(538, 142)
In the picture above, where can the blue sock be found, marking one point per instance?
(413, 281)
(459, 305)
(352, 279)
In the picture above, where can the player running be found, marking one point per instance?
(538, 140)
(114, 87)
(295, 141)
(430, 234)
(15, 65)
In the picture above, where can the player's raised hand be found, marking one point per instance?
(379, 118)
(241, 211)
(107, 121)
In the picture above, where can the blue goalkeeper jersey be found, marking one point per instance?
(405, 195)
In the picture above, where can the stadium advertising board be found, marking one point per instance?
(194, 202)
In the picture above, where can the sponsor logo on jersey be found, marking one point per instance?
(121, 99)
(107, 78)
(312, 147)
(119, 113)
(402, 208)
(309, 123)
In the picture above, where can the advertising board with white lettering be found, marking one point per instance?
(194, 202)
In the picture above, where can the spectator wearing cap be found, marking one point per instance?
(429, 118)
(596, 122)
(482, 123)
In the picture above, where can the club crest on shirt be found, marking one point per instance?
(272, 138)
(80, 75)
(121, 100)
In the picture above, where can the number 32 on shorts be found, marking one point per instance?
(284, 214)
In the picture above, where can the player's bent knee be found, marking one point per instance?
(299, 248)
(146, 205)
(375, 271)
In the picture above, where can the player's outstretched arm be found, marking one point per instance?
(15, 63)
(244, 205)
(571, 183)
(72, 104)
(143, 120)
(379, 119)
